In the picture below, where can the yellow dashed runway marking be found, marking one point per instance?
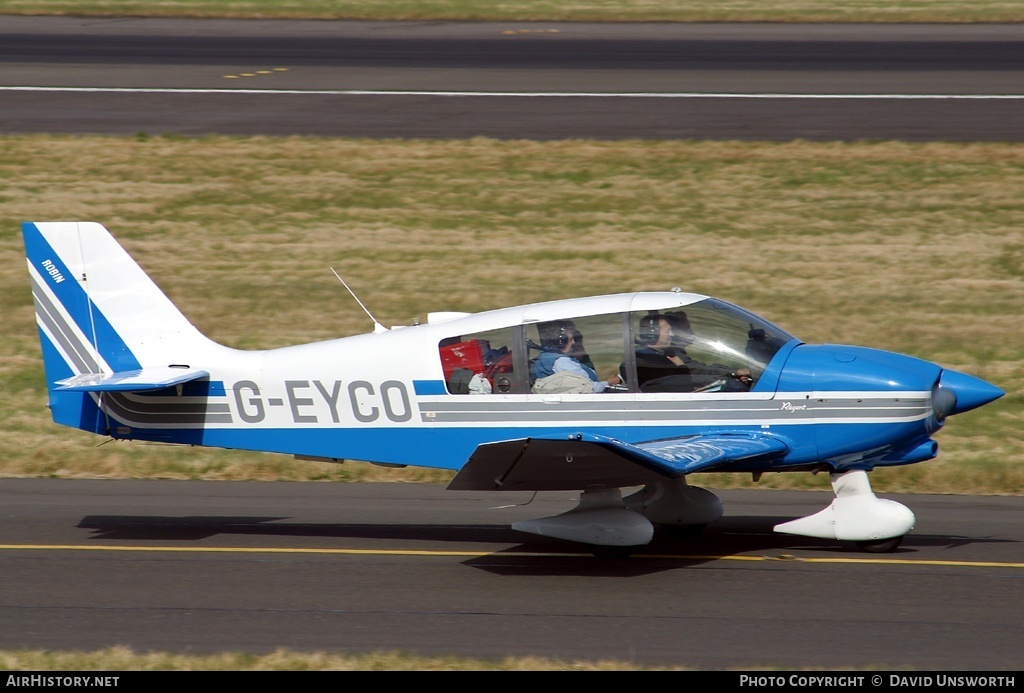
(476, 554)
(257, 73)
(520, 94)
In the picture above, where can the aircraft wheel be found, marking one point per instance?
(880, 546)
(612, 552)
(683, 531)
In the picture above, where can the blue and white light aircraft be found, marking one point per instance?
(619, 397)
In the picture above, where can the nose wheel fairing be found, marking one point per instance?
(856, 514)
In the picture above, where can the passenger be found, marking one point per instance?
(558, 370)
(579, 352)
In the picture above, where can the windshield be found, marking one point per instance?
(692, 349)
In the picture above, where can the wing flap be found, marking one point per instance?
(587, 462)
(131, 381)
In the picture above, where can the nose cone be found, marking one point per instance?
(958, 392)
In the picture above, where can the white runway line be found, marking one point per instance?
(540, 94)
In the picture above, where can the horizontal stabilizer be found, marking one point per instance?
(131, 381)
(582, 461)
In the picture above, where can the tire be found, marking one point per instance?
(683, 531)
(880, 545)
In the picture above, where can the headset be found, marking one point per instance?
(557, 340)
(649, 329)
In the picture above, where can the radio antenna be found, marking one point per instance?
(377, 327)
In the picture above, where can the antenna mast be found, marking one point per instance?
(377, 327)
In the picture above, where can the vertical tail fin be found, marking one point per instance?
(103, 324)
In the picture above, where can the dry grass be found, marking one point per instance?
(917, 248)
(123, 659)
(548, 10)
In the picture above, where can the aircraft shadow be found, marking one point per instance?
(196, 527)
(518, 554)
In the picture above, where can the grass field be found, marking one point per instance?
(916, 248)
(548, 10)
(116, 659)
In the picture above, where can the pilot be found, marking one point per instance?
(664, 366)
(680, 336)
(559, 368)
(659, 368)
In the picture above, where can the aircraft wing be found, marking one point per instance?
(706, 452)
(588, 462)
(131, 381)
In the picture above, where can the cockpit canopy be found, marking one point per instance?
(705, 346)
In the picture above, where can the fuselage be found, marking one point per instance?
(391, 397)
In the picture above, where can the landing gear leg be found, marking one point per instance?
(680, 510)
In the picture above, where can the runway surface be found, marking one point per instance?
(255, 566)
(512, 80)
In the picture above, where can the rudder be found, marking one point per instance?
(98, 313)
